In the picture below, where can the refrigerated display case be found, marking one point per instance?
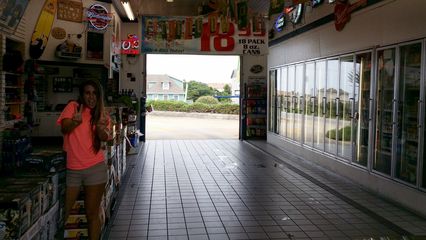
(332, 101)
(408, 122)
(384, 111)
(273, 108)
(255, 111)
(310, 109)
(363, 102)
(366, 108)
(345, 105)
(398, 118)
(320, 104)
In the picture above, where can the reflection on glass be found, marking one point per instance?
(298, 120)
(346, 101)
(384, 101)
(309, 102)
(278, 102)
(291, 102)
(320, 105)
(284, 103)
(408, 105)
(331, 111)
(424, 164)
(272, 99)
(362, 106)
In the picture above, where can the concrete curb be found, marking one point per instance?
(194, 115)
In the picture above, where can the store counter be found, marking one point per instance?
(46, 125)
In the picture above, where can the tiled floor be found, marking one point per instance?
(228, 189)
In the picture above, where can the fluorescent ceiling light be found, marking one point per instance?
(128, 10)
(169, 0)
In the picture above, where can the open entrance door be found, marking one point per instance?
(192, 96)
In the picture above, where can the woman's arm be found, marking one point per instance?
(102, 129)
(68, 125)
(102, 132)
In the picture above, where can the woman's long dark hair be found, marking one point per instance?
(96, 112)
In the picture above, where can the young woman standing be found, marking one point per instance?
(84, 125)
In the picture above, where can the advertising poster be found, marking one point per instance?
(241, 33)
(11, 12)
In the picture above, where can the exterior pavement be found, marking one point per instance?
(175, 125)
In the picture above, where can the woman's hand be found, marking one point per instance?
(69, 124)
(77, 118)
(102, 127)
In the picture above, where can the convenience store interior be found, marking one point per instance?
(245, 188)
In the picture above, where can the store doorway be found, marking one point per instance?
(192, 97)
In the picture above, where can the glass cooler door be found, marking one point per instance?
(384, 114)
(409, 103)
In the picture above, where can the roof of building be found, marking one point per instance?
(176, 85)
(218, 86)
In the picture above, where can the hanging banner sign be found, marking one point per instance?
(208, 34)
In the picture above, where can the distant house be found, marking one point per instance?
(164, 87)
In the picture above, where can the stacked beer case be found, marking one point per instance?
(76, 226)
(29, 206)
(115, 155)
(32, 188)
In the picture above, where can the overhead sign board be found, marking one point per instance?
(241, 33)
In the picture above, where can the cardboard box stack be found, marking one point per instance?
(76, 226)
(29, 201)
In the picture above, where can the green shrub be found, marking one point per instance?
(207, 100)
(161, 105)
(227, 108)
(331, 134)
(343, 134)
(346, 133)
(179, 106)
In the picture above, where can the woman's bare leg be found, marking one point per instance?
(71, 196)
(92, 203)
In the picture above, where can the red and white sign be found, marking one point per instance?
(342, 12)
(130, 46)
(209, 34)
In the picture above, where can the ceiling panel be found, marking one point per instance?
(164, 8)
(180, 7)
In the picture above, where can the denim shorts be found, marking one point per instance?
(94, 175)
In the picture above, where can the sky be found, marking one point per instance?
(200, 68)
